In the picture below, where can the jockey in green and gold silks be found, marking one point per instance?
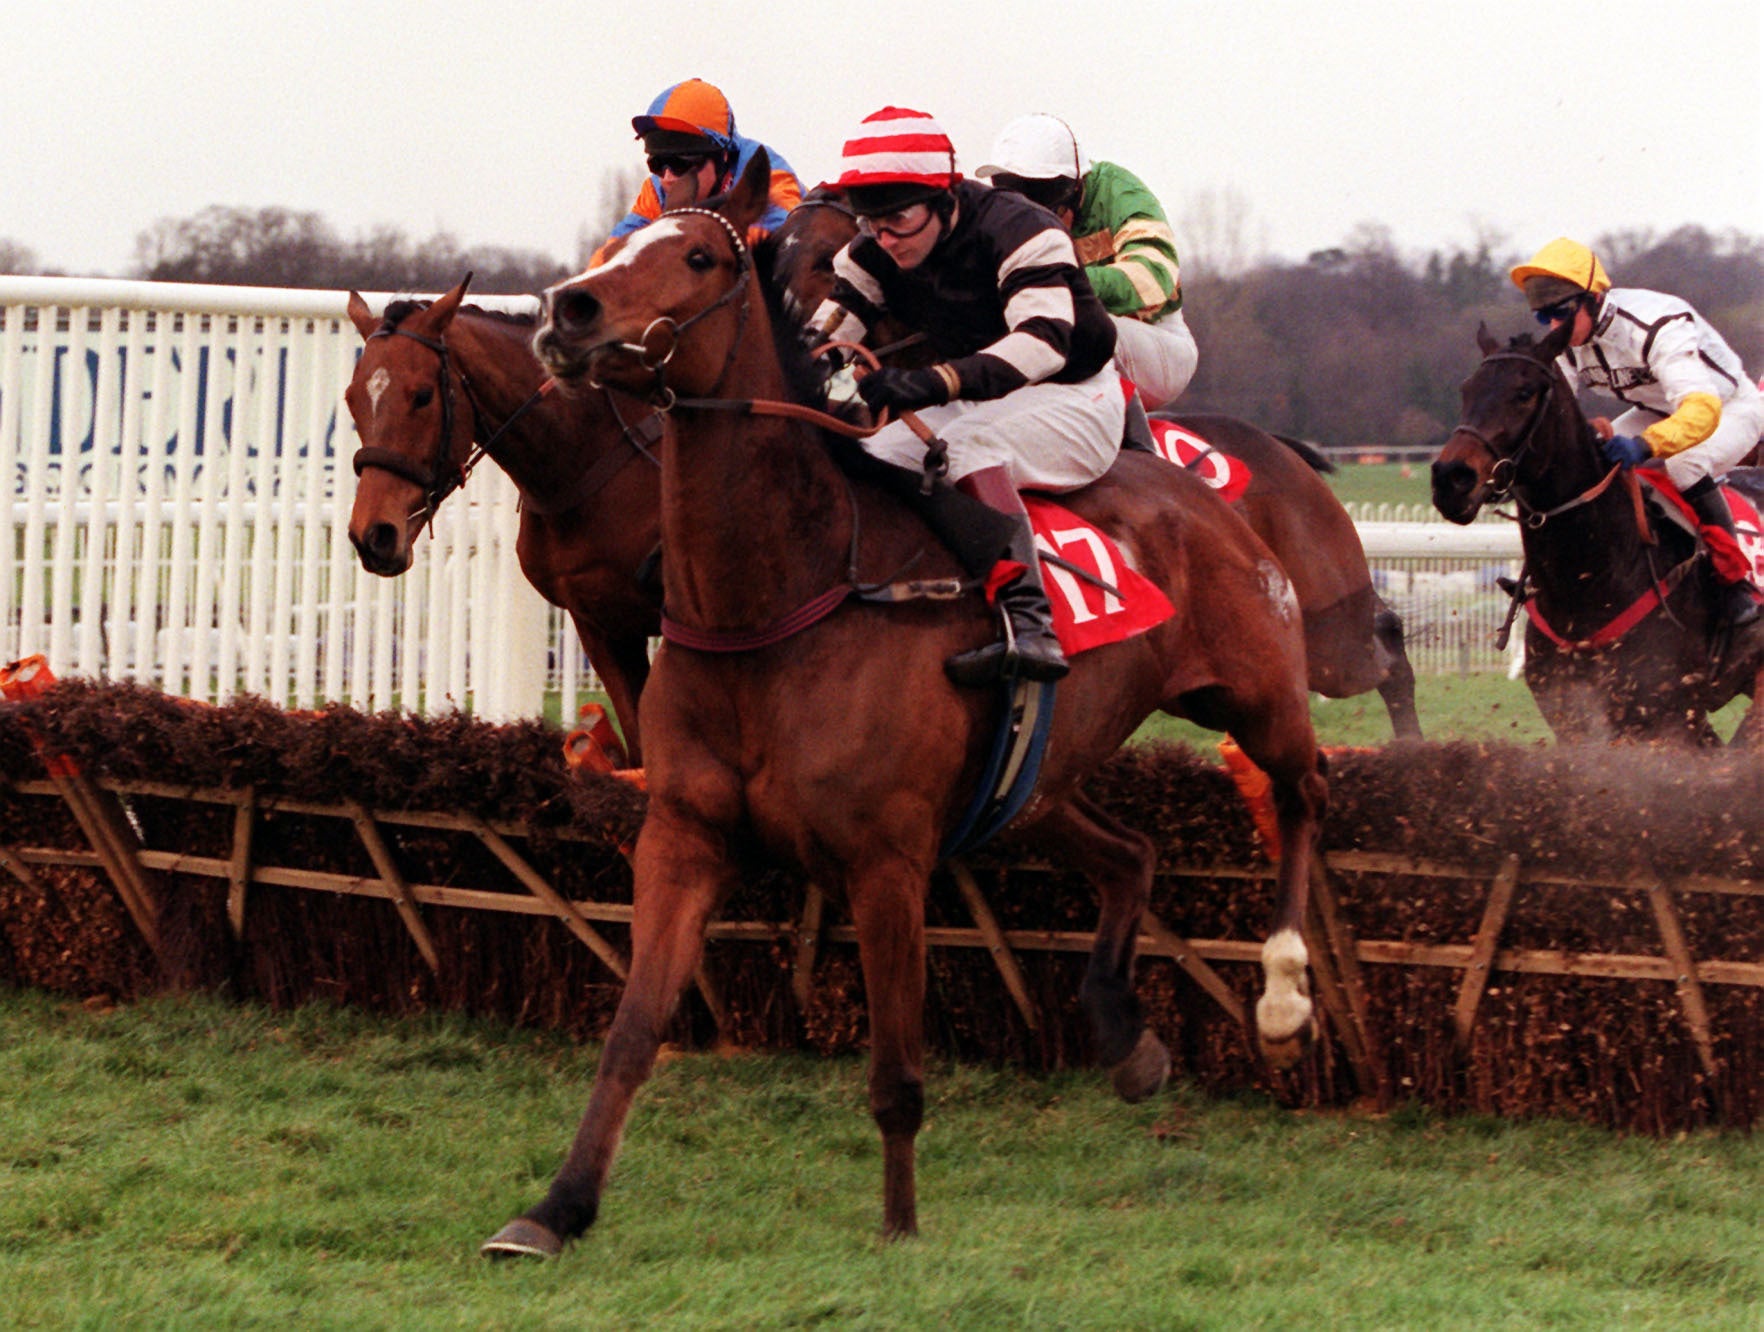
(1122, 238)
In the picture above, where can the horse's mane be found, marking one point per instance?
(401, 309)
(804, 377)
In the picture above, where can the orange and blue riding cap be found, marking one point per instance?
(692, 107)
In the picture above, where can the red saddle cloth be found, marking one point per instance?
(1086, 615)
(1749, 527)
(1180, 445)
(1225, 474)
(1735, 561)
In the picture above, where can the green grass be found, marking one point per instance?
(182, 1163)
(1380, 483)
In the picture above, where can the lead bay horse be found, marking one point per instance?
(1353, 640)
(843, 749)
(434, 377)
(1522, 435)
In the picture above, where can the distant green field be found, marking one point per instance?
(1380, 483)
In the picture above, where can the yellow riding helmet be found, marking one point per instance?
(1568, 260)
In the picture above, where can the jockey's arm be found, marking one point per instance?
(1689, 386)
(1696, 418)
(854, 304)
(1039, 315)
(1142, 275)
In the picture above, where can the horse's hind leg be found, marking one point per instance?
(1397, 687)
(1280, 742)
(1119, 862)
(680, 877)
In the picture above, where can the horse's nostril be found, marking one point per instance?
(1450, 476)
(380, 542)
(574, 309)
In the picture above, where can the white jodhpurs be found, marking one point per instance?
(1050, 436)
(1159, 358)
(1742, 423)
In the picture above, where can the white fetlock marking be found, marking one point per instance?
(1285, 1006)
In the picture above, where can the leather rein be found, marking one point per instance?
(665, 401)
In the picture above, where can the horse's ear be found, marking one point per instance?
(747, 201)
(683, 193)
(1556, 341)
(1486, 341)
(362, 317)
(441, 313)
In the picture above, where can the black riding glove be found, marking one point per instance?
(903, 390)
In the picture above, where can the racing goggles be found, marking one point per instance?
(902, 224)
(1563, 309)
(679, 164)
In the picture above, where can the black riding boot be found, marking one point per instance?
(1029, 648)
(1735, 605)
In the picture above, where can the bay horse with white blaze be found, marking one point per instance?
(843, 749)
(1353, 640)
(1622, 641)
(436, 376)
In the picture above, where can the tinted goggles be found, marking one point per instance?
(679, 164)
(1563, 309)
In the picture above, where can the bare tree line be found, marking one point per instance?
(1356, 345)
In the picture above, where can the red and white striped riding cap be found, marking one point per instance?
(895, 146)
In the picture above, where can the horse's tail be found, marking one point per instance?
(1314, 457)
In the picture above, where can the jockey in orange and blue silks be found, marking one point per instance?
(689, 130)
(1690, 402)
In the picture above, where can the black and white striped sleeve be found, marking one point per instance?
(1035, 286)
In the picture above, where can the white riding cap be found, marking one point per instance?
(1036, 147)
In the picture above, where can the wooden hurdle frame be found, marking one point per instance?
(136, 872)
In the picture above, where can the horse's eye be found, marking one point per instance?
(423, 396)
(699, 261)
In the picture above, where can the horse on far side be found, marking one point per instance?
(435, 377)
(1353, 640)
(1622, 641)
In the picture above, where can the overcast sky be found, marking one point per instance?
(495, 121)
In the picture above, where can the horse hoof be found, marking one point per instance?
(1282, 1054)
(522, 1238)
(1144, 1072)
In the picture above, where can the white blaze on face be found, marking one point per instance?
(376, 385)
(635, 243)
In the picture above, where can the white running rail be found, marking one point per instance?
(175, 486)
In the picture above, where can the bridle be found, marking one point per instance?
(1504, 475)
(439, 480)
(661, 396)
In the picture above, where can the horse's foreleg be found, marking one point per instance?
(888, 909)
(1119, 862)
(680, 877)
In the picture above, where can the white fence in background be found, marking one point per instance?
(175, 483)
